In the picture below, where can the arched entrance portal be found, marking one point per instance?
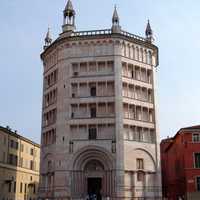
(92, 174)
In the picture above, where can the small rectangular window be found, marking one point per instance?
(197, 160)
(92, 133)
(16, 145)
(13, 160)
(14, 188)
(25, 187)
(198, 183)
(75, 74)
(21, 187)
(93, 91)
(34, 189)
(132, 74)
(93, 112)
(49, 165)
(11, 143)
(140, 176)
(140, 163)
(31, 151)
(31, 165)
(9, 186)
(196, 137)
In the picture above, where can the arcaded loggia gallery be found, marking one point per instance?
(99, 130)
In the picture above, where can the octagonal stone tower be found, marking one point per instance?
(99, 131)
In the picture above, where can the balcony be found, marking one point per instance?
(105, 120)
(139, 123)
(130, 80)
(137, 102)
(91, 100)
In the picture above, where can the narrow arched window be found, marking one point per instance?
(141, 54)
(145, 56)
(137, 53)
(149, 58)
(133, 52)
(124, 49)
(129, 51)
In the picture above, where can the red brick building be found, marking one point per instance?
(180, 163)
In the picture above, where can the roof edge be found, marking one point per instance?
(103, 32)
(10, 132)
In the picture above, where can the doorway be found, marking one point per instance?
(93, 92)
(94, 187)
(93, 112)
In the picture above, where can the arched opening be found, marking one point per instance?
(48, 177)
(92, 174)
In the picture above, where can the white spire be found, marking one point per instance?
(69, 6)
(149, 32)
(115, 18)
(116, 28)
(48, 39)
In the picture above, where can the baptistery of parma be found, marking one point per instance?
(99, 130)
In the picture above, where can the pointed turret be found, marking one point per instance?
(47, 39)
(69, 6)
(116, 28)
(115, 18)
(149, 32)
(69, 17)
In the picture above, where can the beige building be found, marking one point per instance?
(19, 166)
(99, 131)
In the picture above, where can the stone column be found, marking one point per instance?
(145, 184)
(133, 184)
(87, 110)
(78, 90)
(119, 122)
(97, 109)
(107, 92)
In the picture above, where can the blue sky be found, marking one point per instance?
(24, 24)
